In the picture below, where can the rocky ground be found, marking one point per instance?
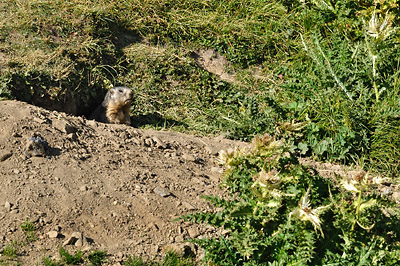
(99, 186)
(90, 186)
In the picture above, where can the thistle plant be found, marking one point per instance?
(282, 213)
(377, 32)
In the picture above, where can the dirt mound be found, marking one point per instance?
(99, 186)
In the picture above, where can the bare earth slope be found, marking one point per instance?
(120, 187)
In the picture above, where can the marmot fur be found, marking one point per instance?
(115, 107)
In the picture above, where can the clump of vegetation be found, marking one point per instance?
(10, 250)
(283, 213)
(68, 258)
(29, 230)
(97, 258)
(170, 259)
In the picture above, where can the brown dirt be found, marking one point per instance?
(119, 186)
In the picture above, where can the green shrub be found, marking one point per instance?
(283, 213)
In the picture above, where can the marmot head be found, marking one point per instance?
(121, 94)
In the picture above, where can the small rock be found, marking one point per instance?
(180, 230)
(83, 188)
(188, 157)
(72, 136)
(36, 146)
(193, 232)
(5, 155)
(159, 143)
(79, 243)
(218, 170)
(148, 142)
(64, 126)
(91, 123)
(53, 234)
(57, 228)
(69, 241)
(15, 211)
(7, 206)
(162, 192)
(188, 206)
(39, 120)
(179, 238)
(16, 171)
(212, 150)
(73, 239)
(16, 135)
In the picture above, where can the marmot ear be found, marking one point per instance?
(112, 91)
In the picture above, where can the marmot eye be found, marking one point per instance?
(120, 90)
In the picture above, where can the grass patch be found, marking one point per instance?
(10, 250)
(170, 259)
(97, 258)
(29, 230)
(70, 259)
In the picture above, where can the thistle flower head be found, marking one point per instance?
(378, 27)
(227, 157)
(305, 213)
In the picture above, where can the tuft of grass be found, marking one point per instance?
(47, 261)
(28, 228)
(10, 250)
(170, 259)
(68, 258)
(97, 257)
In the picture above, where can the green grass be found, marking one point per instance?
(170, 259)
(315, 63)
(97, 257)
(70, 259)
(10, 250)
(322, 75)
(29, 228)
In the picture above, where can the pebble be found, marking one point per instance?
(188, 206)
(218, 170)
(148, 142)
(212, 150)
(16, 171)
(159, 143)
(162, 192)
(53, 234)
(193, 232)
(188, 157)
(7, 206)
(5, 155)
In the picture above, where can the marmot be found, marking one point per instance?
(115, 107)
